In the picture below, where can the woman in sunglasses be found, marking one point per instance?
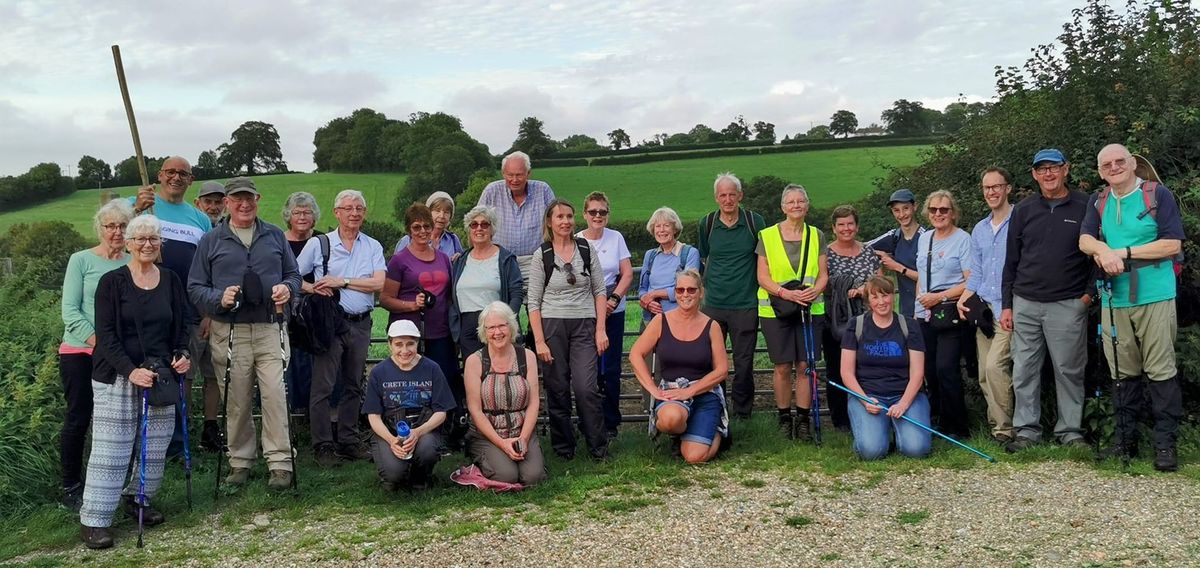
(689, 404)
(610, 246)
(943, 265)
(486, 272)
(567, 303)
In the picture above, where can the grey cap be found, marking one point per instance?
(240, 185)
(211, 188)
(902, 196)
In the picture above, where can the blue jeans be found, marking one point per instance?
(608, 366)
(872, 431)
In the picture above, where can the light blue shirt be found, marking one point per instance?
(662, 273)
(363, 262)
(449, 244)
(988, 250)
(950, 256)
(520, 226)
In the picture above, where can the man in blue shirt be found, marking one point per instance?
(356, 271)
(897, 248)
(520, 204)
(989, 243)
(1133, 231)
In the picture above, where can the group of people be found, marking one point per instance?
(210, 285)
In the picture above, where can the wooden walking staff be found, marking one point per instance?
(133, 129)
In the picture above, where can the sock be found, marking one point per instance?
(785, 413)
(803, 411)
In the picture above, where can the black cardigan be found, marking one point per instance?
(110, 357)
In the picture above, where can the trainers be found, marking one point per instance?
(72, 497)
(1020, 444)
(802, 429)
(150, 517)
(326, 456)
(353, 452)
(95, 538)
(1165, 459)
(279, 480)
(211, 439)
(238, 476)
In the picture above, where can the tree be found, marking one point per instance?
(702, 134)
(736, 131)
(208, 166)
(761, 194)
(764, 131)
(819, 132)
(253, 148)
(619, 139)
(843, 123)
(679, 138)
(580, 143)
(532, 140)
(93, 172)
(907, 118)
(126, 172)
(42, 182)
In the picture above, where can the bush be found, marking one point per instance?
(42, 250)
(388, 234)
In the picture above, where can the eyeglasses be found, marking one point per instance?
(302, 213)
(939, 210)
(795, 202)
(496, 328)
(995, 188)
(686, 290)
(1051, 169)
(143, 241)
(480, 225)
(1117, 164)
(419, 228)
(570, 270)
(174, 172)
(598, 212)
(353, 209)
(114, 227)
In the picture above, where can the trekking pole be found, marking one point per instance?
(187, 453)
(141, 495)
(1112, 326)
(806, 323)
(287, 402)
(911, 421)
(224, 412)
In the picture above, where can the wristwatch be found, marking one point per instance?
(614, 297)
(345, 283)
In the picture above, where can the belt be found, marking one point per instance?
(359, 317)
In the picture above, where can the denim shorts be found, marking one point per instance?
(704, 417)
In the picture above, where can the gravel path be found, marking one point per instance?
(1050, 514)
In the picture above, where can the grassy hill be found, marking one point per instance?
(831, 176)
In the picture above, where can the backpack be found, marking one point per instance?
(652, 253)
(316, 319)
(485, 362)
(1151, 204)
(858, 325)
(585, 253)
(709, 223)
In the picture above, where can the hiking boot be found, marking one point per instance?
(802, 429)
(676, 447)
(785, 425)
(95, 538)
(72, 497)
(389, 486)
(238, 476)
(1076, 443)
(1119, 450)
(326, 456)
(211, 439)
(150, 517)
(1165, 459)
(1020, 444)
(353, 452)
(279, 480)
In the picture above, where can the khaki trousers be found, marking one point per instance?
(995, 380)
(256, 356)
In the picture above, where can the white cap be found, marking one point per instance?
(403, 328)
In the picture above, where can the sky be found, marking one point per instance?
(199, 69)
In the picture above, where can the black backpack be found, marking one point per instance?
(585, 253)
(316, 319)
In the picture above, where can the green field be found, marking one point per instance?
(831, 176)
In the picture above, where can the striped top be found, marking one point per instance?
(504, 397)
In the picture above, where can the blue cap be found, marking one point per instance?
(1051, 155)
(902, 196)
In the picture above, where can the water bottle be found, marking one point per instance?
(403, 432)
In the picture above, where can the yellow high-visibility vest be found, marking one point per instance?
(781, 267)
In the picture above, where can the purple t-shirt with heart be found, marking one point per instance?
(415, 274)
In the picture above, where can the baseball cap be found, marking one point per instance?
(211, 188)
(403, 328)
(240, 185)
(1052, 155)
(902, 196)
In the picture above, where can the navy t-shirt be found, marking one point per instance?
(390, 388)
(905, 252)
(882, 356)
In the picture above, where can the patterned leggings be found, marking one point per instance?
(115, 427)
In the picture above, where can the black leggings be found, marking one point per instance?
(943, 375)
(76, 372)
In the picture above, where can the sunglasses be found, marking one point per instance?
(598, 212)
(480, 225)
(939, 210)
(686, 290)
(570, 270)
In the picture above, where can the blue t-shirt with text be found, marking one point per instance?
(391, 388)
(881, 362)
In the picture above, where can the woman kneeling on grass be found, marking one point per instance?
(689, 403)
(883, 358)
(502, 398)
(409, 388)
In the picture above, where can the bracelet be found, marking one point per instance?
(1128, 253)
(904, 271)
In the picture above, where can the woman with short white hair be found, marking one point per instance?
(485, 273)
(656, 288)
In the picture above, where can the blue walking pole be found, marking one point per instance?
(141, 496)
(911, 421)
(187, 452)
(810, 354)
